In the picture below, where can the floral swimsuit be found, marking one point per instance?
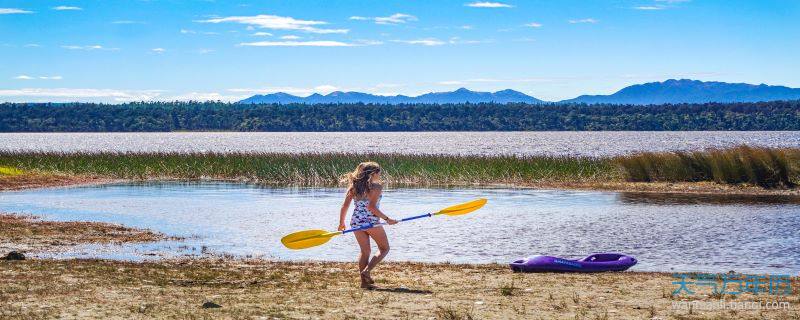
(362, 216)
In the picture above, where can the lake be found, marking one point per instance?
(665, 232)
(598, 144)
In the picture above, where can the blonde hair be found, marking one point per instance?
(358, 181)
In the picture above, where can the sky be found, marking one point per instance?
(116, 51)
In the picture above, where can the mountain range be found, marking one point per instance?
(670, 91)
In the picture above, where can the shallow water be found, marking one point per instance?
(666, 233)
(605, 143)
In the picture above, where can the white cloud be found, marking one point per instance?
(187, 31)
(33, 45)
(262, 34)
(272, 22)
(424, 42)
(290, 37)
(13, 11)
(533, 25)
(27, 77)
(397, 18)
(298, 91)
(71, 94)
(88, 48)
(202, 96)
(457, 40)
(296, 44)
(487, 4)
(673, 1)
(205, 51)
(158, 50)
(67, 8)
(649, 8)
(587, 20)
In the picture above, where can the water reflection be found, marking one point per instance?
(709, 199)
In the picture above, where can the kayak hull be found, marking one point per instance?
(598, 262)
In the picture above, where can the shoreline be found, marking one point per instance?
(42, 181)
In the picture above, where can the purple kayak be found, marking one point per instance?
(598, 262)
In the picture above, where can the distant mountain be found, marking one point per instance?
(459, 96)
(691, 91)
(670, 91)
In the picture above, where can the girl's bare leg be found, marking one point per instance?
(363, 258)
(379, 235)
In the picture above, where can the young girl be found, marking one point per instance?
(364, 190)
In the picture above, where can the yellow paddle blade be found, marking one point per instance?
(463, 208)
(307, 239)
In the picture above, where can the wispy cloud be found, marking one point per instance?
(72, 94)
(397, 18)
(533, 25)
(202, 96)
(32, 45)
(297, 44)
(673, 1)
(290, 37)
(587, 20)
(262, 34)
(88, 48)
(27, 77)
(158, 50)
(488, 4)
(67, 8)
(298, 91)
(209, 33)
(272, 22)
(650, 8)
(424, 42)
(14, 11)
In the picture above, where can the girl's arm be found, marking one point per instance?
(347, 199)
(374, 196)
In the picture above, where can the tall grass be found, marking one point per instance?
(764, 167)
(316, 168)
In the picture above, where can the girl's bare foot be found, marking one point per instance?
(365, 284)
(365, 277)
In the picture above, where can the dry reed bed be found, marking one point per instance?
(764, 167)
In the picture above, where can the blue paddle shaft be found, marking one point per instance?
(383, 223)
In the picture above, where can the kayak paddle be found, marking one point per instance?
(312, 238)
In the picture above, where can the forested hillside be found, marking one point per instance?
(213, 116)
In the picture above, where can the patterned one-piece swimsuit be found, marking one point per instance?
(362, 216)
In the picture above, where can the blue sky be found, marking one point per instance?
(117, 51)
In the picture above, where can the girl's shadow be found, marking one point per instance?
(403, 290)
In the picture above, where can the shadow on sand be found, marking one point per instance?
(403, 290)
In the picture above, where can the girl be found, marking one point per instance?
(364, 190)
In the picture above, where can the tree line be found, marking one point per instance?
(220, 116)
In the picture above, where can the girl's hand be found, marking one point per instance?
(391, 221)
(341, 227)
